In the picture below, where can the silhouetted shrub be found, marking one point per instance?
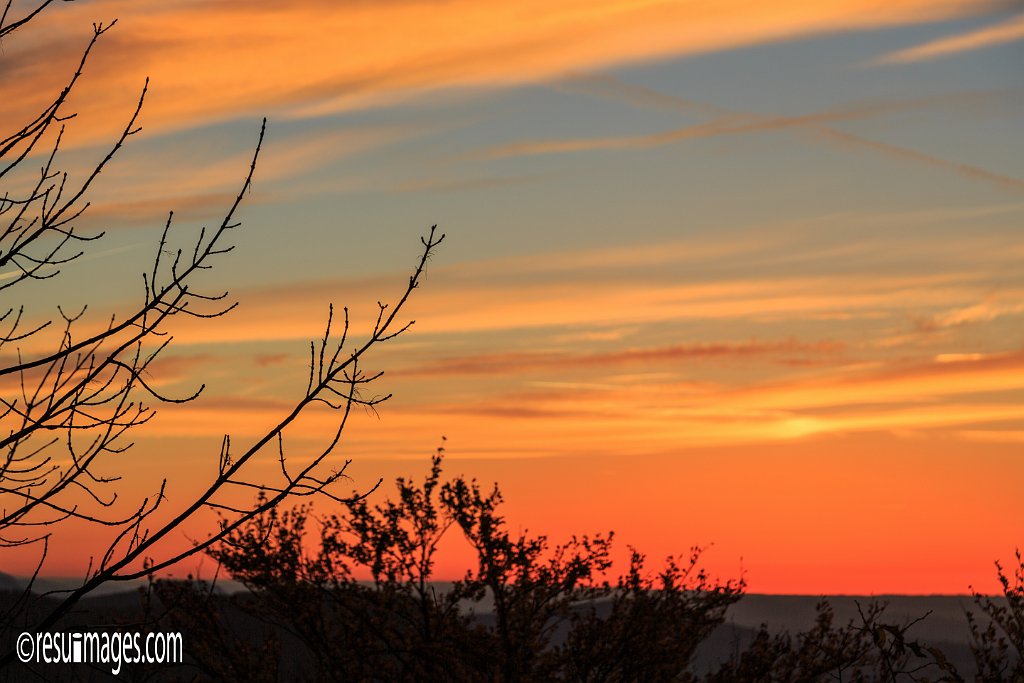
(529, 610)
(998, 645)
(356, 601)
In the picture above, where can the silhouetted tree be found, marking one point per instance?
(998, 645)
(397, 627)
(651, 630)
(72, 398)
(533, 585)
(527, 611)
(869, 650)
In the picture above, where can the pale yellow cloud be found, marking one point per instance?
(591, 417)
(1008, 31)
(983, 311)
(656, 415)
(957, 357)
(891, 385)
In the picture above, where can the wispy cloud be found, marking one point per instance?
(993, 435)
(744, 278)
(725, 122)
(983, 311)
(113, 213)
(493, 306)
(929, 395)
(966, 170)
(610, 87)
(960, 397)
(1005, 32)
(198, 187)
(895, 384)
(532, 362)
(450, 184)
(216, 61)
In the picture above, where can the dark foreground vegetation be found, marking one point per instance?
(529, 610)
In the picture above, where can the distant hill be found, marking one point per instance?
(944, 627)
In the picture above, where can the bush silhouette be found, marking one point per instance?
(350, 596)
(529, 610)
(998, 645)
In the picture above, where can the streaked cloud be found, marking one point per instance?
(894, 384)
(602, 418)
(983, 311)
(215, 61)
(725, 122)
(599, 295)
(532, 362)
(447, 309)
(168, 370)
(1005, 32)
(198, 180)
(114, 213)
(896, 151)
(930, 396)
(958, 357)
(993, 435)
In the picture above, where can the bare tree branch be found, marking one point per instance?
(70, 400)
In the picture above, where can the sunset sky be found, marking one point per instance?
(733, 274)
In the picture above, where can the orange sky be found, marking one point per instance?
(733, 274)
